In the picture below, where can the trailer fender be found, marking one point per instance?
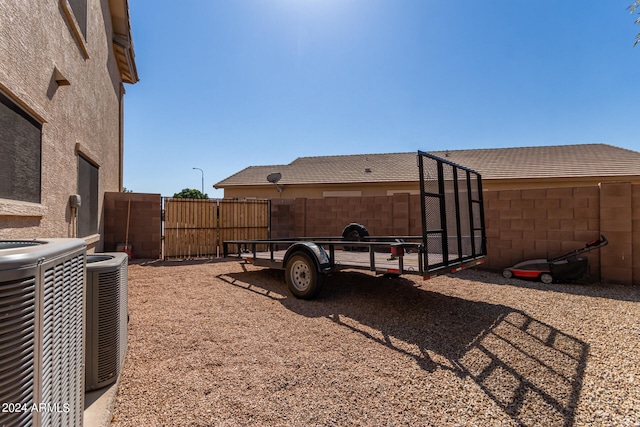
(316, 252)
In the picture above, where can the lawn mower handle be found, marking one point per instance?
(588, 247)
(601, 242)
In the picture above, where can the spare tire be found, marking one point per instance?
(355, 232)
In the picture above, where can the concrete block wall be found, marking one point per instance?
(283, 218)
(520, 224)
(541, 223)
(635, 232)
(144, 211)
(616, 222)
(382, 215)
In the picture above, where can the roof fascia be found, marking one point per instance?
(122, 40)
(222, 185)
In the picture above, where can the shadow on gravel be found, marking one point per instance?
(533, 371)
(580, 287)
(179, 262)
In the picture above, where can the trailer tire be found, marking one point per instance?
(355, 232)
(302, 277)
(546, 278)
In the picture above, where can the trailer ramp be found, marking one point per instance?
(451, 202)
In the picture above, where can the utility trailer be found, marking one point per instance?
(453, 237)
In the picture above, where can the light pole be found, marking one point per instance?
(202, 172)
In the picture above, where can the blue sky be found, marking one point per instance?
(226, 84)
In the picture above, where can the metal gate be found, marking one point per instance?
(196, 228)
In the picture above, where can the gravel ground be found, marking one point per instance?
(225, 344)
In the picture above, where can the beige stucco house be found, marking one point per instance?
(63, 64)
(388, 174)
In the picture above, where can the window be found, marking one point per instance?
(75, 13)
(342, 193)
(88, 191)
(79, 9)
(20, 153)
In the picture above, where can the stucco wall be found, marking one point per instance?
(36, 39)
(318, 191)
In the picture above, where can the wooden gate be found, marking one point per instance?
(196, 228)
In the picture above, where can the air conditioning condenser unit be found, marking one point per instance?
(42, 298)
(107, 315)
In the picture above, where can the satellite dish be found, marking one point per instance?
(274, 177)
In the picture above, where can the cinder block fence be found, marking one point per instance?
(143, 214)
(520, 224)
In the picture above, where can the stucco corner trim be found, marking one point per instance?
(25, 209)
(94, 238)
(88, 154)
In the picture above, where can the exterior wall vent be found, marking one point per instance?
(42, 299)
(107, 315)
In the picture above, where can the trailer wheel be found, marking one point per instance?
(546, 278)
(302, 276)
(507, 274)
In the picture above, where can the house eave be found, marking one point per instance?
(489, 180)
(122, 41)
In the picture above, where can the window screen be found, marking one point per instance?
(20, 153)
(88, 191)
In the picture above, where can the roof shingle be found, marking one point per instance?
(563, 161)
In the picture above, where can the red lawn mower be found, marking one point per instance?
(565, 267)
